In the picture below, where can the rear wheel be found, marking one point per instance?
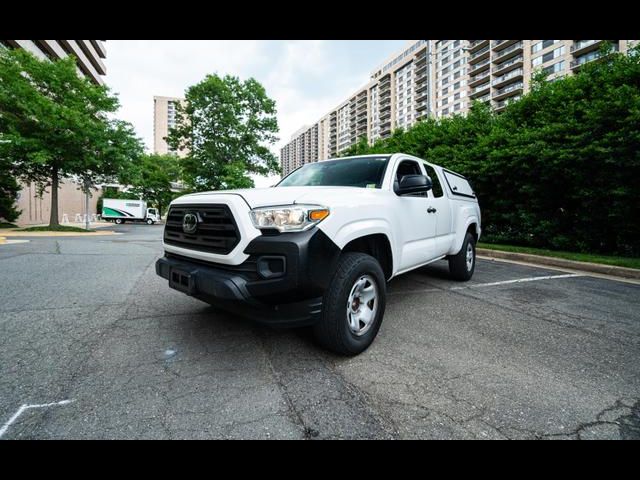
(119, 221)
(463, 264)
(353, 305)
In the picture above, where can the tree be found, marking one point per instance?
(227, 126)
(57, 124)
(9, 189)
(151, 179)
(557, 168)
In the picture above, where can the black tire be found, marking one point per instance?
(119, 221)
(149, 221)
(332, 331)
(458, 266)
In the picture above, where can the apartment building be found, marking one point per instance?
(499, 72)
(441, 78)
(164, 119)
(89, 54)
(396, 96)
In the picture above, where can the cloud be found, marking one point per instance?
(305, 78)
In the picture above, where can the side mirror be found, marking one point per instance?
(413, 184)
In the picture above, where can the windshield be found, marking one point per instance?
(364, 172)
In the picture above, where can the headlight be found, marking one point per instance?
(289, 218)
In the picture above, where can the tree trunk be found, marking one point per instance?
(53, 219)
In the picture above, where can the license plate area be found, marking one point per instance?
(182, 280)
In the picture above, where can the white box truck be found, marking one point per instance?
(121, 211)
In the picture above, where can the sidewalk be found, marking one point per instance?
(599, 268)
(13, 232)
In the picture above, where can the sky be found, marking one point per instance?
(306, 78)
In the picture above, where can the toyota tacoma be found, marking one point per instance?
(318, 248)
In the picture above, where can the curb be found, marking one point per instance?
(563, 263)
(58, 234)
(3, 240)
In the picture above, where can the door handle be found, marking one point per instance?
(431, 210)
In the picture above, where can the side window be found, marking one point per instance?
(407, 167)
(437, 188)
(458, 184)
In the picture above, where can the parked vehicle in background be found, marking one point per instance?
(319, 247)
(121, 211)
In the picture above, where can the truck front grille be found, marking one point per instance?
(217, 231)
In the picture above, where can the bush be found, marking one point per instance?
(557, 169)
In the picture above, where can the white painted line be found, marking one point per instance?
(519, 280)
(491, 284)
(24, 407)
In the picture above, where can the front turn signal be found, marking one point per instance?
(317, 215)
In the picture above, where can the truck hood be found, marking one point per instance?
(264, 197)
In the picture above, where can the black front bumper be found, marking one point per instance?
(281, 283)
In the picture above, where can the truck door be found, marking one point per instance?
(440, 208)
(417, 226)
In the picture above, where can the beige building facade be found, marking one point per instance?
(90, 55)
(164, 119)
(438, 78)
(36, 210)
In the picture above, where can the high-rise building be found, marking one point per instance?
(89, 53)
(164, 119)
(441, 78)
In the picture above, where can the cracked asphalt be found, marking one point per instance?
(88, 320)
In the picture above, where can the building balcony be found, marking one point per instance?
(421, 79)
(475, 45)
(385, 81)
(589, 57)
(508, 91)
(512, 76)
(385, 116)
(580, 47)
(479, 55)
(420, 69)
(479, 90)
(423, 94)
(422, 87)
(422, 105)
(484, 98)
(508, 52)
(476, 79)
(421, 60)
(499, 106)
(499, 45)
(502, 68)
(478, 67)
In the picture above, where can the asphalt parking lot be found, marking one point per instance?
(94, 345)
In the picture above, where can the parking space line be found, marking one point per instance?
(25, 407)
(491, 284)
(518, 280)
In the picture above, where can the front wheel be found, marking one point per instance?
(463, 264)
(149, 221)
(353, 305)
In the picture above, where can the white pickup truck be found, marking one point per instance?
(319, 247)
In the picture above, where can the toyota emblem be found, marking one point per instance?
(190, 223)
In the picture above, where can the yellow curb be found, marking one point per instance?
(58, 234)
(3, 240)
